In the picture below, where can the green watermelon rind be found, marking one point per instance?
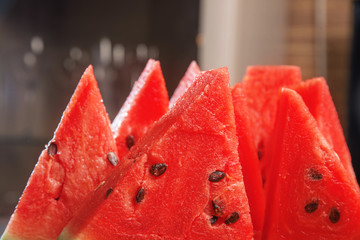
(64, 235)
(7, 236)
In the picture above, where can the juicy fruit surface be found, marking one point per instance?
(261, 86)
(193, 174)
(249, 160)
(77, 165)
(147, 102)
(196, 138)
(317, 98)
(188, 79)
(311, 195)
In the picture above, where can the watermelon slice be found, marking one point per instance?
(317, 98)
(76, 160)
(311, 195)
(261, 86)
(249, 160)
(147, 102)
(188, 79)
(186, 182)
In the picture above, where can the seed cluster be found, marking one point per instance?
(312, 206)
(156, 170)
(219, 206)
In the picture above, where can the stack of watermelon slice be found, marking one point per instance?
(266, 159)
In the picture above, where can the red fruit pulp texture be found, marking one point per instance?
(75, 162)
(161, 188)
(147, 102)
(194, 139)
(317, 98)
(310, 195)
(249, 160)
(262, 85)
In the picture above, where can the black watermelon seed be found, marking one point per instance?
(311, 207)
(108, 192)
(260, 154)
(52, 149)
(140, 195)
(216, 176)
(130, 141)
(113, 159)
(217, 208)
(233, 218)
(314, 174)
(334, 215)
(213, 220)
(158, 169)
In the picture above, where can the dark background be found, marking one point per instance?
(354, 94)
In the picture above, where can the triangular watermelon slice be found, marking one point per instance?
(311, 195)
(261, 86)
(187, 80)
(316, 95)
(76, 160)
(147, 102)
(186, 182)
(249, 160)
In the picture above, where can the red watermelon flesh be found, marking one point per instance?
(316, 95)
(261, 86)
(188, 79)
(194, 139)
(75, 161)
(249, 160)
(147, 102)
(310, 195)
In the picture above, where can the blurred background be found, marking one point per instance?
(46, 45)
